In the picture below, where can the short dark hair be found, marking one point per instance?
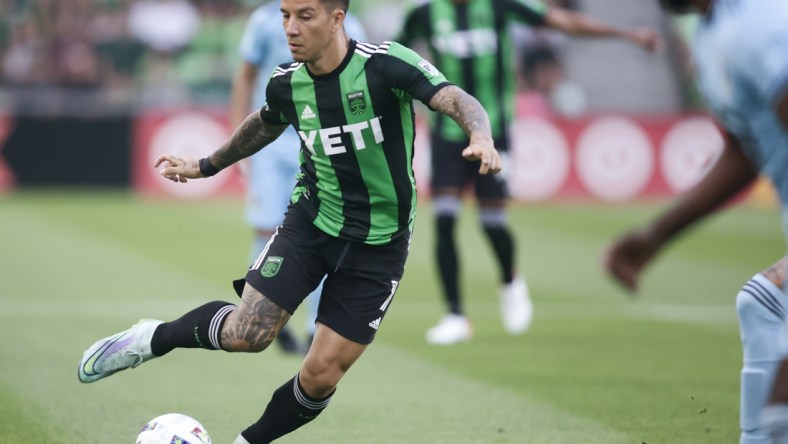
(337, 4)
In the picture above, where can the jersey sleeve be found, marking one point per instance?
(407, 71)
(531, 12)
(271, 112)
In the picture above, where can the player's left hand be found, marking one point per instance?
(178, 169)
(486, 152)
(646, 38)
(627, 256)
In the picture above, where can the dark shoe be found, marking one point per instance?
(288, 342)
(309, 340)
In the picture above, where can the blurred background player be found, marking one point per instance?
(469, 42)
(271, 173)
(741, 60)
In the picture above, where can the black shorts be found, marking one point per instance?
(360, 280)
(451, 170)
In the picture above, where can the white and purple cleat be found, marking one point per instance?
(123, 350)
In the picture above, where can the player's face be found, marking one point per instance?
(309, 27)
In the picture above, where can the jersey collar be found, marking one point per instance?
(351, 49)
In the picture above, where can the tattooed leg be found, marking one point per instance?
(254, 324)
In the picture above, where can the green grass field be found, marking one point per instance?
(595, 367)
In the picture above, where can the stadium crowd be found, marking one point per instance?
(57, 56)
(134, 52)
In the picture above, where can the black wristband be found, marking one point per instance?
(206, 167)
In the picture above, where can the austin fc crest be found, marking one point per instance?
(356, 102)
(271, 266)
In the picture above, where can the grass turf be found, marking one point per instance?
(596, 367)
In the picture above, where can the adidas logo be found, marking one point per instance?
(375, 324)
(308, 113)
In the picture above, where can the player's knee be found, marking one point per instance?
(446, 206)
(260, 335)
(320, 376)
(493, 218)
(244, 335)
(246, 346)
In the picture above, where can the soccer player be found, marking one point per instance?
(350, 217)
(740, 55)
(469, 42)
(270, 174)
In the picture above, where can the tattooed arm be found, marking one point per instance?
(469, 114)
(250, 137)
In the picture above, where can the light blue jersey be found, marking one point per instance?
(741, 54)
(272, 171)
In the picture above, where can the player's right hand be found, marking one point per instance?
(647, 38)
(626, 257)
(486, 153)
(178, 169)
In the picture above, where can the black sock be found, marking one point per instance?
(503, 246)
(448, 263)
(290, 408)
(199, 328)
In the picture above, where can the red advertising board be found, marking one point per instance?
(611, 158)
(192, 133)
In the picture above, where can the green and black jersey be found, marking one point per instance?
(469, 43)
(357, 129)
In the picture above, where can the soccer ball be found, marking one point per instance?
(173, 428)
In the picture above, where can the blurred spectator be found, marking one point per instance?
(207, 66)
(164, 25)
(541, 72)
(182, 52)
(119, 53)
(72, 56)
(22, 60)
(545, 88)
